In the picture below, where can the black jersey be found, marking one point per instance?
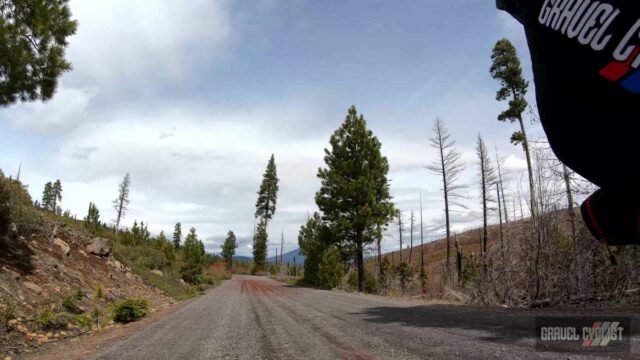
(586, 65)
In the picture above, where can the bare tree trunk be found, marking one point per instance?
(501, 187)
(567, 182)
(532, 189)
(411, 236)
(500, 219)
(379, 240)
(458, 259)
(281, 246)
(360, 264)
(400, 232)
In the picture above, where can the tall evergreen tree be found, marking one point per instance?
(121, 203)
(177, 235)
(47, 196)
(229, 248)
(56, 190)
(33, 38)
(507, 70)
(191, 269)
(354, 196)
(268, 193)
(260, 248)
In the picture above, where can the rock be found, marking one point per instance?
(182, 282)
(157, 272)
(116, 264)
(56, 232)
(99, 246)
(62, 246)
(83, 253)
(33, 287)
(14, 275)
(13, 231)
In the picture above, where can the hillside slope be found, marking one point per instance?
(41, 267)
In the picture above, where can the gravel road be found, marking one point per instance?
(257, 318)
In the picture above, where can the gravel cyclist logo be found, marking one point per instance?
(589, 22)
(582, 334)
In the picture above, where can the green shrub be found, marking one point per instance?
(16, 205)
(98, 294)
(405, 274)
(370, 285)
(83, 321)
(69, 303)
(47, 320)
(7, 309)
(126, 311)
(331, 268)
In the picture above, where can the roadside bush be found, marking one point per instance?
(47, 320)
(405, 274)
(98, 295)
(369, 281)
(7, 309)
(70, 304)
(331, 269)
(191, 273)
(126, 311)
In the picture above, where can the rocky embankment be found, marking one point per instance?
(41, 269)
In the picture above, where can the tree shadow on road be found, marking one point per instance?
(502, 325)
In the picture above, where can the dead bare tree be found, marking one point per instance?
(499, 163)
(449, 166)
(487, 181)
(400, 231)
(412, 221)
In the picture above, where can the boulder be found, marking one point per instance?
(157, 272)
(13, 231)
(33, 287)
(62, 246)
(99, 246)
(13, 274)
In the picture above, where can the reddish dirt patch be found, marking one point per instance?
(261, 287)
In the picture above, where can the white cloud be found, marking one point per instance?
(136, 44)
(68, 108)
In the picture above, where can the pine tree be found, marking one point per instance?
(268, 193)
(260, 248)
(177, 235)
(161, 237)
(56, 191)
(34, 36)
(487, 181)
(507, 70)
(47, 196)
(313, 241)
(229, 248)
(191, 269)
(354, 196)
(92, 220)
(121, 203)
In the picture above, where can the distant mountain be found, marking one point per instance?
(288, 257)
(242, 258)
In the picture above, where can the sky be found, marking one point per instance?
(192, 100)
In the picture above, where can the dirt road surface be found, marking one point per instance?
(258, 318)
